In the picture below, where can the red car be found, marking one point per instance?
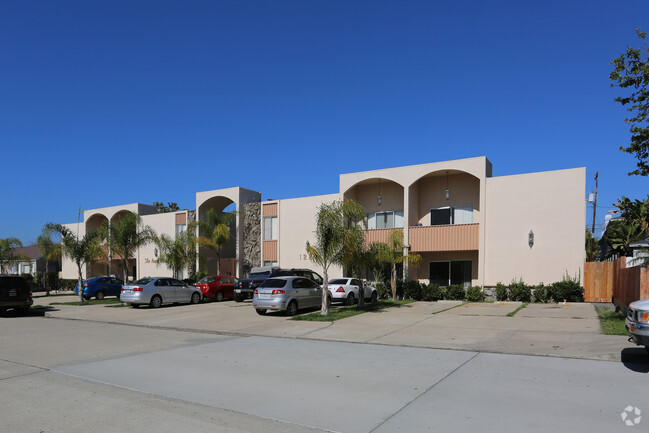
(217, 287)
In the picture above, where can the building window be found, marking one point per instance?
(270, 228)
(270, 263)
(385, 220)
(451, 215)
(450, 272)
(180, 228)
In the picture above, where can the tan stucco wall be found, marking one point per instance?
(552, 204)
(464, 190)
(297, 226)
(147, 263)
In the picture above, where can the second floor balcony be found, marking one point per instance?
(452, 237)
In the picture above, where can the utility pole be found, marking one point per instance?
(592, 230)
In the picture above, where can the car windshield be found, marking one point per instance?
(145, 280)
(260, 274)
(273, 284)
(339, 281)
(207, 280)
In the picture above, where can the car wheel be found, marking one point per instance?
(22, 310)
(156, 302)
(238, 298)
(100, 295)
(374, 297)
(351, 299)
(196, 298)
(647, 349)
(261, 311)
(219, 296)
(291, 308)
(86, 297)
(328, 302)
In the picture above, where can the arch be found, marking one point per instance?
(220, 204)
(366, 193)
(95, 222)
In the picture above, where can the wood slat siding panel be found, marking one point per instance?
(456, 237)
(270, 209)
(270, 250)
(181, 218)
(377, 235)
(599, 278)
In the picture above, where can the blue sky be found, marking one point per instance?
(107, 103)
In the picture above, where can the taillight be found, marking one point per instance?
(278, 292)
(256, 292)
(137, 289)
(122, 289)
(86, 285)
(340, 289)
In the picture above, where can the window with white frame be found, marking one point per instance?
(271, 228)
(451, 215)
(385, 219)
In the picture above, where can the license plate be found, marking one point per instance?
(237, 291)
(127, 291)
(261, 296)
(12, 292)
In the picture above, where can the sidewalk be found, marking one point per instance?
(570, 331)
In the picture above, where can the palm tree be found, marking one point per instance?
(619, 234)
(50, 251)
(392, 252)
(80, 251)
(336, 223)
(177, 253)
(125, 236)
(7, 254)
(214, 232)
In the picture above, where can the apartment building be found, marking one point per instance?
(469, 227)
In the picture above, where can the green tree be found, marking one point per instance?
(51, 251)
(7, 253)
(619, 234)
(634, 210)
(178, 253)
(80, 251)
(592, 247)
(392, 253)
(214, 232)
(631, 70)
(336, 227)
(170, 207)
(356, 255)
(125, 236)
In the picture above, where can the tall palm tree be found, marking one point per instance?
(177, 253)
(392, 252)
(50, 250)
(80, 251)
(214, 232)
(125, 236)
(7, 254)
(336, 222)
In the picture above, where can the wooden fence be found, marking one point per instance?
(614, 282)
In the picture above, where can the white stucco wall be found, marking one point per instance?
(552, 204)
(147, 262)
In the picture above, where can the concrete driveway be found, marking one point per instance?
(558, 330)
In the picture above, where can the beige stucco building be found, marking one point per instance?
(469, 227)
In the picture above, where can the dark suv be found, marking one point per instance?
(14, 293)
(245, 288)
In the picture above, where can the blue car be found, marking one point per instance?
(100, 287)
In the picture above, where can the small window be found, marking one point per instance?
(271, 228)
(272, 283)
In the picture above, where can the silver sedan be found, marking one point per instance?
(287, 294)
(155, 291)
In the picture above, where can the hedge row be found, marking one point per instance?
(431, 292)
(566, 290)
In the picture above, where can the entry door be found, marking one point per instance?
(439, 273)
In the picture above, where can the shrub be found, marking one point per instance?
(501, 292)
(540, 294)
(412, 290)
(567, 290)
(475, 294)
(455, 292)
(383, 290)
(519, 291)
(68, 284)
(399, 284)
(432, 292)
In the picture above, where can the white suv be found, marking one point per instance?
(637, 323)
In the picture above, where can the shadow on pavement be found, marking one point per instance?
(636, 359)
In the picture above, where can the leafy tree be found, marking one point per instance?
(355, 254)
(50, 250)
(170, 207)
(592, 247)
(619, 234)
(178, 253)
(634, 210)
(631, 70)
(336, 227)
(392, 252)
(80, 251)
(7, 253)
(125, 236)
(214, 232)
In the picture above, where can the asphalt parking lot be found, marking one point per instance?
(569, 330)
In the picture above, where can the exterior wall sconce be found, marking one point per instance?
(530, 239)
(155, 252)
(379, 199)
(447, 193)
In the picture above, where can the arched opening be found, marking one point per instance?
(116, 262)
(228, 262)
(99, 267)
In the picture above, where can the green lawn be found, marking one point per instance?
(612, 322)
(336, 313)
